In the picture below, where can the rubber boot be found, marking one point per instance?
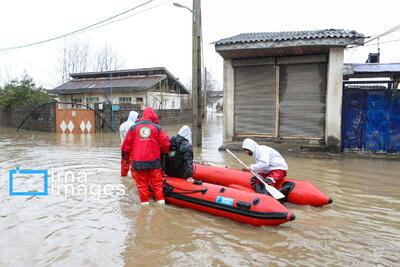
(161, 202)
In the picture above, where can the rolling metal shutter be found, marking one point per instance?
(302, 98)
(255, 100)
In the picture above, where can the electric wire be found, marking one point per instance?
(76, 31)
(127, 17)
(380, 43)
(396, 28)
(82, 30)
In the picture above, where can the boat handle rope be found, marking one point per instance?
(169, 188)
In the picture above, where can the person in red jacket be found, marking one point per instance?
(142, 145)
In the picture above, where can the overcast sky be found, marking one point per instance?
(161, 36)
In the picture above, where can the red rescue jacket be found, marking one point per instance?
(143, 141)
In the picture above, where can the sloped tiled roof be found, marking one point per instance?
(289, 36)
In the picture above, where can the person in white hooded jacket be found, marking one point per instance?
(123, 130)
(269, 163)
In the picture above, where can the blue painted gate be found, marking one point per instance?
(371, 120)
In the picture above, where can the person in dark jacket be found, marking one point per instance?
(179, 160)
(142, 146)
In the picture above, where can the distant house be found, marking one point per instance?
(285, 84)
(215, 99)
(148, 87)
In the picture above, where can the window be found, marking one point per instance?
(126, 100)
(92, 99)
(139, 99)
(76, 100)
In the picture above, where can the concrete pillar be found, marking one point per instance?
(333, 117)
(229, 96)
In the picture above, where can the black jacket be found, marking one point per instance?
(179, 161)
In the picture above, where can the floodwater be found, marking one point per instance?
(92, 216)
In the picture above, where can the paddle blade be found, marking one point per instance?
(274, 192)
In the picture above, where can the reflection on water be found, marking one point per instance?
(81, 139)
(105, 227)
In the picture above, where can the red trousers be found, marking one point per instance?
(124, 168)
(147, 177)
(278, 176)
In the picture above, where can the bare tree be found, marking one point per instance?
(77, 57)
(210, 84)
(160, 94)
(5, 71)
(107, 59)
(73, 59)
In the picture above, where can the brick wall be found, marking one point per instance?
(43, 119)
(173, 116)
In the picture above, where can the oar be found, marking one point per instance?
(272, 190)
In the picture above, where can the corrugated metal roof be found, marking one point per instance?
(376, 67)
(288, 36)
(123, 82)
(128, 83)
(121, 73)
(131, 72)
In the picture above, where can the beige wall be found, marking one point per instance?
(333, 117)
(229, 93)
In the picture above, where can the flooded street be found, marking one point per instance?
(92, 216)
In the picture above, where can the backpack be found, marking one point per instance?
(172, 162)
(173, 149)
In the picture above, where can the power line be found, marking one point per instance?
(26, 63)
(391, 41)
(134, 14)
(76, 31)
(383, 34)
(396, 28)
(380, 43)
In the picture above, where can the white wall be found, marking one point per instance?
(151, 99)
(170, 100)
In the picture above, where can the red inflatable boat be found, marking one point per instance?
(238, 205)
(297, 191)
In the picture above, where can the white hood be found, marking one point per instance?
(186, 133)
(124, 127)
(267, 158)
(249, 144)
(133, 116)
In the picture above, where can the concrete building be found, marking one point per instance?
(285, 85)
(148, 87)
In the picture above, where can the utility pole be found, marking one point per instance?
(196, 75)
